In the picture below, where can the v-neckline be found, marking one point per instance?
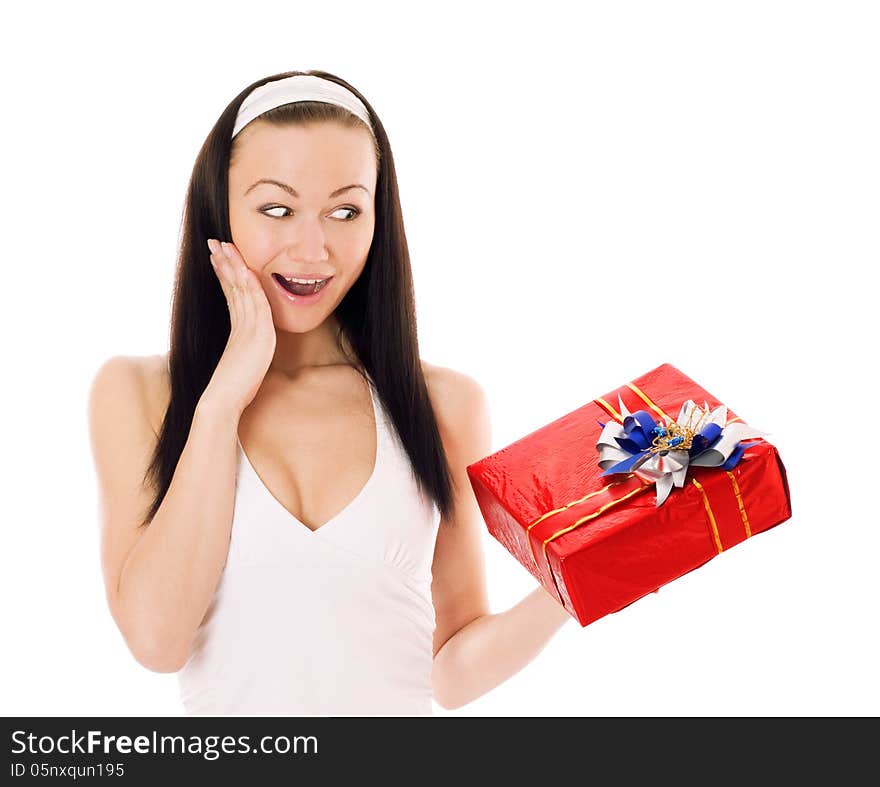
(337, 516)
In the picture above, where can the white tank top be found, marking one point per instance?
(335, 621)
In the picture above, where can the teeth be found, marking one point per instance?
(311, 286)
(302, 281)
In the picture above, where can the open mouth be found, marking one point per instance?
(296, 288)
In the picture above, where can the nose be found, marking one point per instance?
(307, 242)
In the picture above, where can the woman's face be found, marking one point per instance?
(315, 220)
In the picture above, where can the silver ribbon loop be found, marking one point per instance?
(668, 467)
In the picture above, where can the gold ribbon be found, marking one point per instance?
(713, 526)
(709, 514)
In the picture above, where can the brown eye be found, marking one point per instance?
(274, 207)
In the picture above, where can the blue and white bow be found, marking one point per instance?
(661, 451)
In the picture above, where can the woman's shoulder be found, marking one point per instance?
(129, 387)
(459, 400)
(447, 383)
(151, 376)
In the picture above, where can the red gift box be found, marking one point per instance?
(598, 543)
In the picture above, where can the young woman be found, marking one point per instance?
(286, 517)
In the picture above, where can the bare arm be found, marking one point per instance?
(494, 647)
(159, 579)
(474, 649)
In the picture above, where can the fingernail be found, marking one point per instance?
(225, 246)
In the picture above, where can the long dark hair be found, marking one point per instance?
(376, 316)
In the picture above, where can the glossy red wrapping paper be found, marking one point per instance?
(599, 543)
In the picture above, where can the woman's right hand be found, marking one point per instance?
(251, 344)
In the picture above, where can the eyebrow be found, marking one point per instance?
(293, 192)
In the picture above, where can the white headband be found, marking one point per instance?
(300, 87)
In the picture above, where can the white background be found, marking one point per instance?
(589, 190)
